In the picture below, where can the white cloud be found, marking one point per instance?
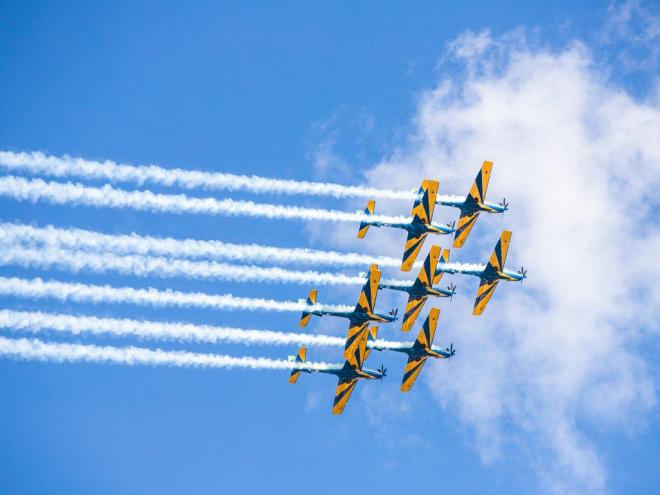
(579, 160)
(635, 26)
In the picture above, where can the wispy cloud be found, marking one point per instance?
(579, 160)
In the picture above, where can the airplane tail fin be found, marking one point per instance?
(299, 358)
(364, 226)
(427, 333)
(444, 258)
(310, 302)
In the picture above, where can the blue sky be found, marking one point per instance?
(334, 92)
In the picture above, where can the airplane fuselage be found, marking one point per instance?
(469, 206)
(417, 228)
(358, 317)
(417, 290)
(485, 273)
(413, 350)
(348, 372)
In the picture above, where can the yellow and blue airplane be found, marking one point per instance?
(348, 373)
(418, 351)
(418, 228)
(490, 274)
(473, 204)
(360, 317)
(422, 287)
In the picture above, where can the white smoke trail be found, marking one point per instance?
(34, 190)
(455, 267)
(28, 321)
(88, 240)
(36, 350)
(96, 294)
(149, 266)
(37, 321)
(66, 166)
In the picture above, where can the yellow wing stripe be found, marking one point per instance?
(367, 299)
(413, 245)
(498, 258)
(427, 271)
(423, 208)
(413, 308)
(465, 224)
(427, 333)
(480, 186)
(343, 393)
(484, 293)
(352, 342)
(413, 367)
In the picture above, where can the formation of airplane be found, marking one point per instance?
(360, 317)
(348, 373)
(473, 204)
(361, 338)
(490, 274)
(422, 287)
(418, 228)
(419, 351)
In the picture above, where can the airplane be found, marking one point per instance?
(348, 373)
(360, 317)
(418, 228)
(473, 204)
(491, 274)
(418, 351)
(422, 288)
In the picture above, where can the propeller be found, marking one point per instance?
(394, 312)
(504, 204)
(383, 372)
(451, 225)
(451, 350)
(451, 288)
(522, 272)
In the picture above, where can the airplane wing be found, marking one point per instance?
(480, 185)
(342, 394)
(413, 367)
(413, 308)
(439, 273)
(353, 340)
(465, 223)
(413, 245)
(484, 293)
(498, 257)
(424, 205)
(367, 300)
(427, 271)
(427, 333)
